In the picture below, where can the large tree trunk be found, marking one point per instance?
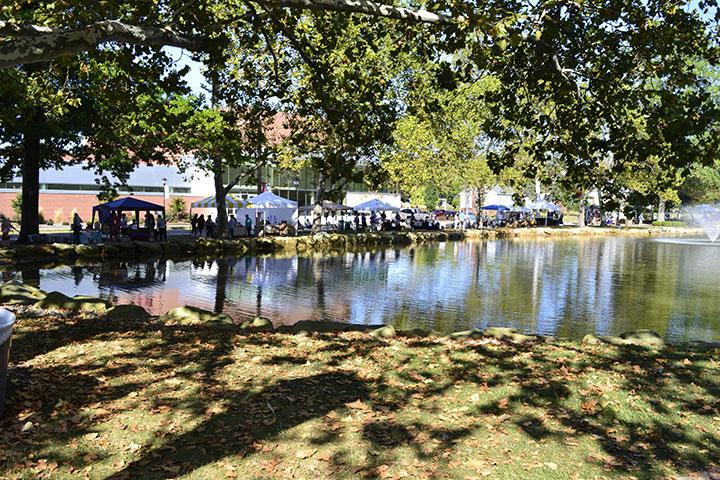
(317, 211)
(221, 220)
(581, 216)
(30, 184)
(661, 210)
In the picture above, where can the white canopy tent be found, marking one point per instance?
(267, 199)
(375, 205)
(543, 205)
(273, 208)
(211, 202)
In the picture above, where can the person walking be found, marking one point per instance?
(194, 224)
(200, 225)
(232, 225)
(248, 225)
(76, 228)
(162, 228)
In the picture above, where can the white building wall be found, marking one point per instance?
(199, 182)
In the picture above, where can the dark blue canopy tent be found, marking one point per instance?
(498, 208)
(127, 204)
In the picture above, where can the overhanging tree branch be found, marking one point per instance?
(364, 6)
(31, 44)
(24, 44)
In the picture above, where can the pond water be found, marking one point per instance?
(562, 287)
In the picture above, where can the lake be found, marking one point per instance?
(560, 287)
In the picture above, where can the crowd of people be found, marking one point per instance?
(206, 227)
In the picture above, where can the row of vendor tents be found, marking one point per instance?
(269, 200)
(540, 205)
(277, 209)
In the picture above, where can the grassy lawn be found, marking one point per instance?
(92, 398)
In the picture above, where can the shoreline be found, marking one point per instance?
(28, 301)
(190, 248)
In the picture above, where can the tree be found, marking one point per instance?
(16, 206)
(607, 84)
(441, 148)
(178, 210)
(702, 185)
(108, 111)
(344, 96)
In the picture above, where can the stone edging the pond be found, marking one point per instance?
(18, 294)
(189, 248)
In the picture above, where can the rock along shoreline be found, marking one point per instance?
(29, 299)
(190, 248)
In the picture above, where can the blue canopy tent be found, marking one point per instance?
(127, 204)
(497, 208)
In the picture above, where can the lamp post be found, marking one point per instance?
(296, 184)
(164, 180)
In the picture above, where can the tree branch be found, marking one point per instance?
(364, 6)
(30, 44)
(236, 180)
(23, 44)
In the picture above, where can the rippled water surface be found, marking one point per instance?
(566, 287)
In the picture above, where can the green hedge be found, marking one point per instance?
(669, 224)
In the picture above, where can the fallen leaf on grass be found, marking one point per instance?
(357, 405)
(305, 453)
(590, 406)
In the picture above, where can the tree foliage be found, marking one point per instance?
(443, 151)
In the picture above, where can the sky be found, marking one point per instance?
(195, 77)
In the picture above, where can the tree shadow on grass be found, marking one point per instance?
(289, 403)
(551, 396)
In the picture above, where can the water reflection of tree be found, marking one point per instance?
(223, 271)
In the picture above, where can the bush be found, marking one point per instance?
(50, 222)
(16, 205)
(178, 210)
(669, 224)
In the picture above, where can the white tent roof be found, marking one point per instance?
(543, 205)
(375, 205)
(211, 202)
(267, 199)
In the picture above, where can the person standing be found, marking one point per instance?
(150, 225)
(114, 224)
(194, 224)
(5, 226)
(123, 224)
(210, 227)
(162, 228)
(232, 225)
(200, 225)
(248, 225)
(76, 228)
